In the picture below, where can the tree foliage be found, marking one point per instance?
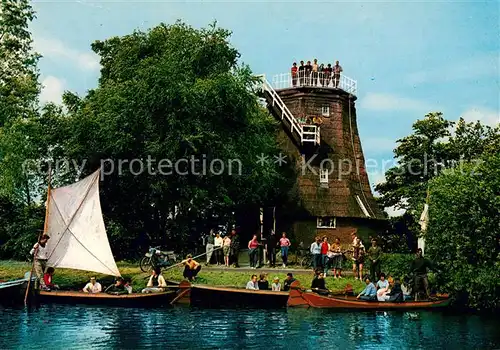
(435, 145)
(464, 231)
(171, 93)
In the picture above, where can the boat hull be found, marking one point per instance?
(300, 298)
(127, 300)
(13, 292)
(221, 297)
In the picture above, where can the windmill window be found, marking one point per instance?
(323, 176)
(326, 222)
(325, 111)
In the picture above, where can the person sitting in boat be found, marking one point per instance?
(288, 281)
(40, 256)
(118, 288)
(93, 287)
(382, 288)
(191, 268)
(318, 283)
(406, 289)
(370, 292)
(276, 286)
(156, 282)
(252, 284)
(263, 282)
(47, 278)
(396, 293)
(128, 286)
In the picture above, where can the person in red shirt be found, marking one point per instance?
(294, 74)
(253, 245)
(324, 250)
(47, 278)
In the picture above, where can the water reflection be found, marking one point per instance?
(81, 327)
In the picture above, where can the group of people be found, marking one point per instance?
(272, 245)
(326, 256)
(224, 248)
(314, 74)
(389, 289)
(263, 284)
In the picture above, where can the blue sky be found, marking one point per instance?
(408, 58)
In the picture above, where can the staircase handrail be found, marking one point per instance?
(277, 99)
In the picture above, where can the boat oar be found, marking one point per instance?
(181, 294)
(168, 268)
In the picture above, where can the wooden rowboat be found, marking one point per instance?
(300, 298)
(130, 300)
(217, 297)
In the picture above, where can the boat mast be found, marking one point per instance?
(45, 227)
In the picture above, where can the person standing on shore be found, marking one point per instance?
(218, 241)
(285, 245)
(210, 246)
(316, 253)
(235, 248)
(272, 243)
(40, 256)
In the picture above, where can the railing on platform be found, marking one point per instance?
(306, 133)
(322, 80)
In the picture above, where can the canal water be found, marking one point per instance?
(80, 327)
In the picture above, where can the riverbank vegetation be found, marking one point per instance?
(75, 280)
(175, 92)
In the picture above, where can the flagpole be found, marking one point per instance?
(45, 227)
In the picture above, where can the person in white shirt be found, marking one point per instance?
(156, 282)
(252, 284)
(218, 242)
(92, 287)
(40, 256)
(276, 286)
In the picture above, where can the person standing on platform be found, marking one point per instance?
(308, 72)
(315, 72)
(210, 246)
(285, 246)
(302, 73)
(272, 243)
(40, 256)
(374, 254)
(294, 72)
(337, 69)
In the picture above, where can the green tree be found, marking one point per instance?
(173, 93)
(19, 87)
(464, 231)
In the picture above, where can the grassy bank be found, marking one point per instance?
(74, 279)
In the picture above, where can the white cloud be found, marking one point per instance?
(52, 90)
(391, 211)
(389, 102)
(484, 115)
(56, 49)
(473, 68)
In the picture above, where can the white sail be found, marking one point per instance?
(78, 238)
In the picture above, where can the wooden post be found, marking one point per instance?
(45, 226)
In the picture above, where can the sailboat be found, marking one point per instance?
(78, 240)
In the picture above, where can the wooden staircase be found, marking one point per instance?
(300, 132)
